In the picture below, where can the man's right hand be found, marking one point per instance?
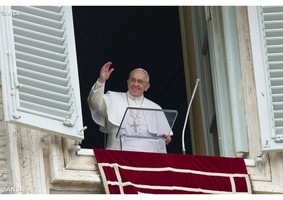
(105, 72)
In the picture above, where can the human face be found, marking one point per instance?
(138, 83)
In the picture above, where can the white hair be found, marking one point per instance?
(140, 69)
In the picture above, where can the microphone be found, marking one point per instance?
(186, 119)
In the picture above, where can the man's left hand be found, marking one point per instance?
(167, 138)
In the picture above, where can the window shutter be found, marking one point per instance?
(273, 24)
(39, 69)
(268, 63)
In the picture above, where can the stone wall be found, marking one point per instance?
(6, 183)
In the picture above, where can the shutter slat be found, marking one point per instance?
(275, 48)
(36, 19)
(274, 24)
(44, 93)
(43, 77)
(58, 114)
(39, 44)
(43, 85)
(56, 9)
(40, 60)
(278, 97)
(276, 65)
(38, 28)
(271, 9)
(279, 129)
(44, 101)
(274, 33)
(276, 90)
(275, 56)
(279, 123)
(274, 16)
(276, 74)
(273, 41)
(55, 15)
(40, 52)
(279, 126)
(38, 36)
(278, 114)
(41, 68)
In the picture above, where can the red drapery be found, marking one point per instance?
(127, 172)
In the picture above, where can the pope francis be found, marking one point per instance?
(107, 109)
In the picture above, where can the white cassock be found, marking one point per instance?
(108, 109)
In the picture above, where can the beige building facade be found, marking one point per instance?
(236, 53)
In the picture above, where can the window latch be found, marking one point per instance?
(68, 122)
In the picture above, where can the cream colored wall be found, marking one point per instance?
(6, 182)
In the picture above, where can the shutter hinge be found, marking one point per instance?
(68, 122)
(279, 139)
(15, 116)
(82, 130)
(266, 145)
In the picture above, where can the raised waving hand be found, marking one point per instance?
(105, 72)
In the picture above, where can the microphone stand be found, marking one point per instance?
(186, 119)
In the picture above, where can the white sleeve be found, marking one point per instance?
(97, 104)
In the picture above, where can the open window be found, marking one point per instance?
(219, 119)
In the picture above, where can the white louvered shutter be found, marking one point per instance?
(273, 24)
(39, 69)
(269, 83)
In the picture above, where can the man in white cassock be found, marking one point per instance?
(107, 109)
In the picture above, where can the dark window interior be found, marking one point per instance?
(130, 37)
